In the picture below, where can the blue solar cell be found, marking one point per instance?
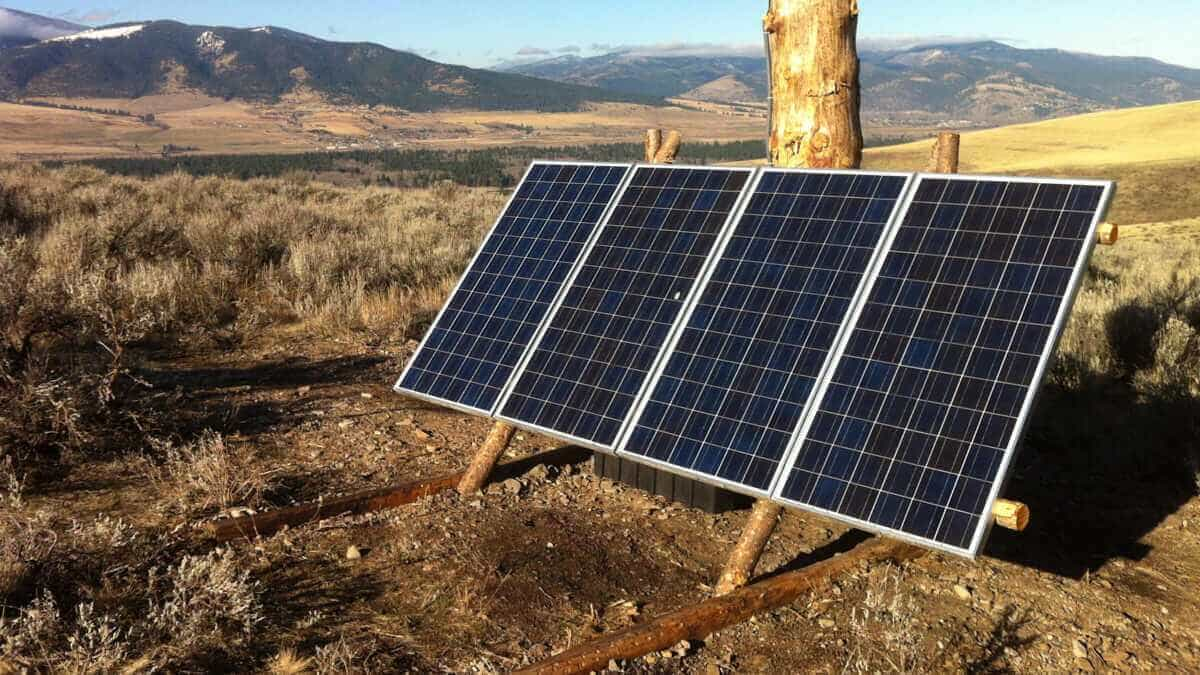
(734, 386)
(470, 352)
(590, 365)
(924, 406)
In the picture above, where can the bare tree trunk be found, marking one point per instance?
(670, 148)
(814, 83)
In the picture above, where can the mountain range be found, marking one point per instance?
(986, 82)
(264, 63)
(982, 83)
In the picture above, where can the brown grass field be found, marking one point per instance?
(305, 123)
(175, 348)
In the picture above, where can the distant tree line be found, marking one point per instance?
(492, 167)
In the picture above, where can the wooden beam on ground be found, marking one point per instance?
(367, 501)
(944, 157)
(654, 138)
(696, 622)
(814, 83)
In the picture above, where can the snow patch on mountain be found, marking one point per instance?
(100, 33)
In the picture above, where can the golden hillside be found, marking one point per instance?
(1153, 153)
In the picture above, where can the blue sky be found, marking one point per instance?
(484, 32)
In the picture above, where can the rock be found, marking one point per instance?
(240, 511)
(539, 473)
(345, 424)
(420, 434)
(354, 552)
(826, 623)
(1079, 649)
(366, 395)
(300, 391)
(681, 648)
(962, 592)
(614, 666)
(511, 486)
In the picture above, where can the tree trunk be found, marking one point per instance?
(814, 83)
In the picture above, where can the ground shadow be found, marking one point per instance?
(1102, 465)
(215, 398)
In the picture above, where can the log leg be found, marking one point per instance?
(740, 566)
(485, 458)
(670, 148)
(654, 139)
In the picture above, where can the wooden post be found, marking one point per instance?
(944, 158)
(653, 143)
(1107, 234)
(670, 148)
(814, 124)
(1010, 515)
(763, 519)
(485, 458)
(658, 151)
(814, 82)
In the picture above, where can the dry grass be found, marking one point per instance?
(93, 268)
(206, 474)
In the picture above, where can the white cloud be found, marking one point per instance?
(532, 51)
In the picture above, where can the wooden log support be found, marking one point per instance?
(814, 124)
(1010, 515)
(944, 157)
(476, 475)
(814, 81)
(696, 622)
(670, 148)
(742, 561)
(654, 138)
(1107, 234)
(367, 501)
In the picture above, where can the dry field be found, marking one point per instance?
(176, 348)
(305, 122)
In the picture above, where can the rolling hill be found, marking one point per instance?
(262, 64)
(1153, 153)
(980, 82)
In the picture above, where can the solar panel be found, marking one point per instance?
(583, 376)
(918, 422)
(731, 394)
(478, 339)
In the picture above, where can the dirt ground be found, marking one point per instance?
(1107, 577)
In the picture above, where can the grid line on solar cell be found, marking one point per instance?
(590, 364)
(476, 342)
(920, 416)
(730, 394)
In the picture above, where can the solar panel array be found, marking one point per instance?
(923, 411)
(740, 375)
(470, 352)
(586, 371)
(863, 345)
